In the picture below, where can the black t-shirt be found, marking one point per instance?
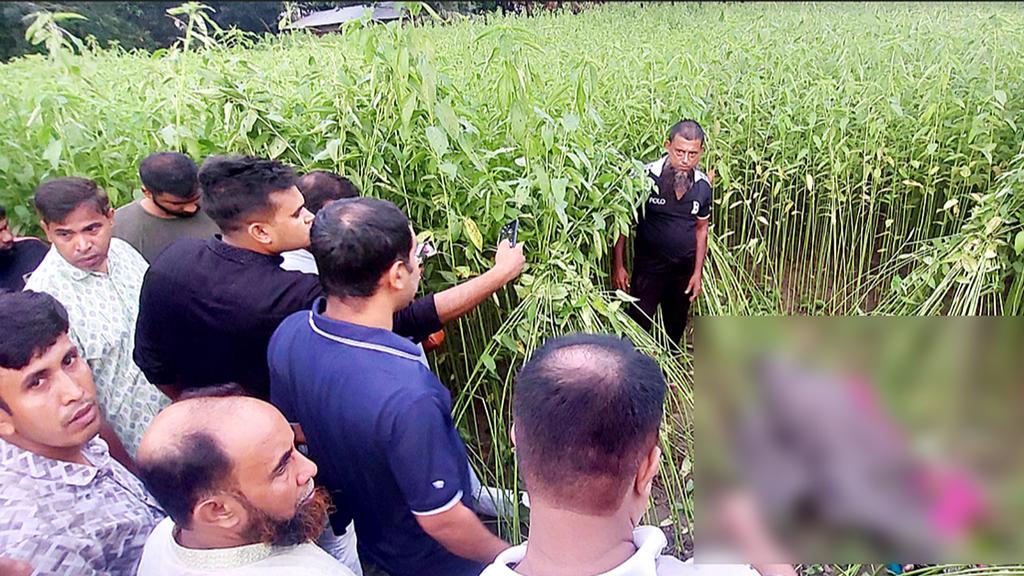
(22, 259)
(666, 229)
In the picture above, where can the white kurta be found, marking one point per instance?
(163, 556)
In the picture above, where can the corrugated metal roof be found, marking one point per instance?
(381, 11)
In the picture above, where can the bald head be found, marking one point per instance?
(587, 409)
(193, 447)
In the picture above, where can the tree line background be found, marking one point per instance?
(145, 25)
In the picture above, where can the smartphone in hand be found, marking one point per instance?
(509, 231)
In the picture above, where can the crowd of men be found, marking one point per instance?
(227, 376)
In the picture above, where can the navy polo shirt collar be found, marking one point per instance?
(364, 337)
(240, 255)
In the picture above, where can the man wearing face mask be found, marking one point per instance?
(672, 235)
(240, 497)
(98, 279)
(169, 208)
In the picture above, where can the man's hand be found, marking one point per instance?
(694, 287)
(509, 260)
(620, 279)
(458, 300)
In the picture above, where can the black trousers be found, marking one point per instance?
(664, 286)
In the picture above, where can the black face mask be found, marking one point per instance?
(175, 213)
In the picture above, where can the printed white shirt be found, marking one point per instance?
(102, 311)
(68, 518)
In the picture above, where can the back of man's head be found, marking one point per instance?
(355, 241)
(171, 173)
(587, 410)
(320, 187)
(236, 187)
(56, 198)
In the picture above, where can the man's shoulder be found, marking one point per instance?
(179, 254)
(47, 276)
(305, 559)
(129, 210)
(31, 243)
(120, 248)
(294, 324)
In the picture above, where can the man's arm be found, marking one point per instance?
(460, 299)
(694, 287)
(461, 533)
(620, 277)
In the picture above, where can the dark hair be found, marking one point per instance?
(228, 390)
(688, 130)
(179, 476)
(170, 173)
(3, 212)
(236, 186)
(320, 187)
(58, 197)
(354, 241)
(32, 322)
(587, 409)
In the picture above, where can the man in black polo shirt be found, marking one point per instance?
(208, 307)
(672, 235)
(19, 257)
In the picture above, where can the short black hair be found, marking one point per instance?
(228, 390)
(688, 129)
(587, 409)
(171, 173)
(178, 476)
(320, 187)
(3, 212)
(354, 241)
(56, 198)
(32, 322)
(233, 187)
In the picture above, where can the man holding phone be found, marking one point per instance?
(672, 235)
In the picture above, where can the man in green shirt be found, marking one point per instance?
(169, 208)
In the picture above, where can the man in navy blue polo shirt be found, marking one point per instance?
(672, 235)
(377, 422)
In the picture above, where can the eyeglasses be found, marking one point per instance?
(424, 250)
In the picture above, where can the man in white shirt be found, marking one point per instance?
(240, 497)
(98, 279)
(586, 416)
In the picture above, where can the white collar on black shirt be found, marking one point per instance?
(656, 167)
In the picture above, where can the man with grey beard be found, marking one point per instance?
(672, 235)
(239, 495)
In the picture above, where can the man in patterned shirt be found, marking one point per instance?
(98, 279)
(66, 506)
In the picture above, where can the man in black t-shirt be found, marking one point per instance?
(19, 257)
(672, 234)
